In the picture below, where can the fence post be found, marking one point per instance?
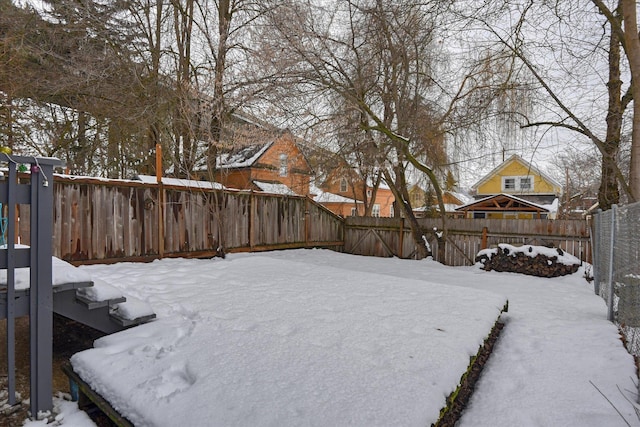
(485, 231)
(610, 316)
(161, 215)
(307, 221)
(401, 238)
(595, 244)
(252, 221)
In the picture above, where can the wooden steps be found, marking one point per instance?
(100, 315)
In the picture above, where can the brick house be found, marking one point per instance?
(276, 166)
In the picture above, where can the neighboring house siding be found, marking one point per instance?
(520, 189)
(343, 209)
(384, 198)
(268, 168)
(494, 185)
(356, 189)
(238, 178)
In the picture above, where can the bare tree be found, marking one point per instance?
(382, 61)
(573, 51)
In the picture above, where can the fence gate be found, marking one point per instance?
(29, 181)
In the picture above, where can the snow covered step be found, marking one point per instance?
(102, 307)
(92, 305)
(132, 312)
(21, 297)
(132, 322)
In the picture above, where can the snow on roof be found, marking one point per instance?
(242, 157)
(448, 207)
(274, 188)
(464, 198)
(326, 197)
(149, 179)
(553, 207)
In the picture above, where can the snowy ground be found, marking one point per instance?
(313, 337)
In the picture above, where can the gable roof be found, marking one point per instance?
(241, 157)
(503, 202)
(511, 159)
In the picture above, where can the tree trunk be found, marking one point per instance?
(608, 193)
(632, 43)
(419, 239)
(224, 23)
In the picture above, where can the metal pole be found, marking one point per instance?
(41, 291)
(610, 315)
(11, 283)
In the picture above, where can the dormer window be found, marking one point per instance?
(517, 183)
(283, 165)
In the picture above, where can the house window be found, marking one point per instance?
(391, 213)
(354, 211)
(517, 183)
(283, 165)
(479, 215)
(375, 211)
(509, 184)
(343, 185)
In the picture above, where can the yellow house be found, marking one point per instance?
(514, 189)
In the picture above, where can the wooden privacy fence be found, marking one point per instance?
(99, 220)
(466, 237)
(114, 220)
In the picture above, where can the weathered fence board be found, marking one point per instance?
(392, 236)
(110, 220)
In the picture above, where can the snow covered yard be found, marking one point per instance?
(313, 337)
(253, 340)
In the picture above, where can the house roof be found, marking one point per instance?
(461, 197)
(504, 202)
(192, 183)
(448, 207)
(326, 197)
(242, 157)
(504, 164)
(274, 188)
